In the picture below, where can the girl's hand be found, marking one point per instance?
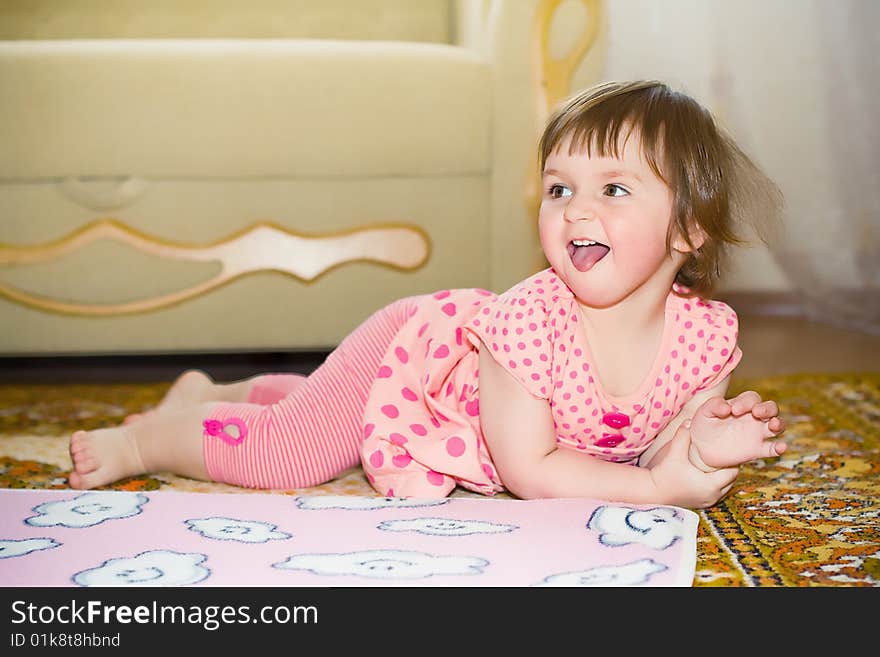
(680, 483)
(730, 433)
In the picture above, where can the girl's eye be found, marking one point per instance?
(615, 190)
(558, 191)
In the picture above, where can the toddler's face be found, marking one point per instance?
(603, 224)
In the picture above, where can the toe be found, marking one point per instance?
(81, 453)
(79, 444)
(75, 480)
(82, 481)
(79, 438)
(84, 465)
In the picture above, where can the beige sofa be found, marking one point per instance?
(187, 176)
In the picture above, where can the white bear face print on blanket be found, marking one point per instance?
(232, 529)
(385, 564)
(87, 509)
(657, 528)
(153, 568)
(629, 574)
(113, 538)
(445, 526)
(17, 548)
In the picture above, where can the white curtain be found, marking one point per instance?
(797, 82)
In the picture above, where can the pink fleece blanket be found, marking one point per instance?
(115, 538)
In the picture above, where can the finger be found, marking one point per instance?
(681, 440)
(775, 426)
(766, 409)
(744, 402)
(725, 476)
(716, 407)
(726, 490)
(773, 448)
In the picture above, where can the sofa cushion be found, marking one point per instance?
(244, 108)
(389, 20)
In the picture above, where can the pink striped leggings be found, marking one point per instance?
(296, 431)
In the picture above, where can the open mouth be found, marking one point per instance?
(585, 254)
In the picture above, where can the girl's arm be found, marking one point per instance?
(521, 439)
(725, 433)
(686, 413)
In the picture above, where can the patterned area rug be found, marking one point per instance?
(810, 518)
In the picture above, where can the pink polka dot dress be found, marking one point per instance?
(422, 436)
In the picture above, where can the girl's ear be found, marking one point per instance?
(697, 238)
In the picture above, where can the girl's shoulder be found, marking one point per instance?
(520, 327)
(702, 342)
(703, 313)
(524, 307)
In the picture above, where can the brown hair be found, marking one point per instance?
(716, 187)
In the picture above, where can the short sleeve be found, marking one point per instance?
(516, 330)
(721, 352)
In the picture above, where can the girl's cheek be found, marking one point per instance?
(645, 249)
(545, 227)
(549, 238)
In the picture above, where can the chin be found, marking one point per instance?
(598, 292)
(588, 288)
(597, 301)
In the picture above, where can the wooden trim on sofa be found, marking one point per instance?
(553, 76)
(263, 246)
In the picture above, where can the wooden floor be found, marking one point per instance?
(771, 345)
(789, 345)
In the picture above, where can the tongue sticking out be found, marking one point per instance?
(584, 257)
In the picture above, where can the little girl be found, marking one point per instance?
(603, 376)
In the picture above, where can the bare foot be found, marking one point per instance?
(191, 387)
(103, 456)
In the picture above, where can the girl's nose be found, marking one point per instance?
(578, 210)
